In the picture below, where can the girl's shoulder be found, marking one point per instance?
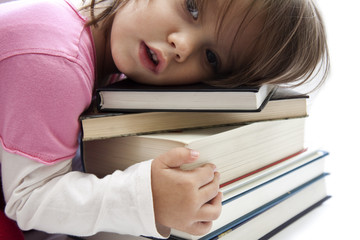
(49, 26)
(47, 70)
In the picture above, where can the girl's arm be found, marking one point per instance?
(55, 200)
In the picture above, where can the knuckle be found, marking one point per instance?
(217, 213)
(188, 183)
(213, 190)
(217, 175)
(207, 172)
(180, 152)
(210, 171)
(193, 203)
(190, 195)
(201, 228)
(215, 187)
(209, 168)
(207, 228)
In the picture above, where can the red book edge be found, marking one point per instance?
(263, 168)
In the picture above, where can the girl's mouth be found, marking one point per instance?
(149, 58)
(152, 56)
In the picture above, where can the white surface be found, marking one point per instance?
(334, 125)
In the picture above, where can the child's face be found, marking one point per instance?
(165, 42)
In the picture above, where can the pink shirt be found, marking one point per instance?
(47, 72)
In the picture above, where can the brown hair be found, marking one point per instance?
(290, 49)
(106, 13)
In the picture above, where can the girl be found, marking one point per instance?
(53, 56)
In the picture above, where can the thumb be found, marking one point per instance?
(177, 157)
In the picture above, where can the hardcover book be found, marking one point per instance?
(235, 150)
(284, 103)
(266, 220)
(130, 96)
(262, 187)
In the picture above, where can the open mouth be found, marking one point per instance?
(149, 58)
(152, 56)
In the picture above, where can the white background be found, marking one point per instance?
(334, 125)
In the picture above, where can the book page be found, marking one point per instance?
(189, 136)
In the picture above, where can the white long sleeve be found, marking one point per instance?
(55, 199)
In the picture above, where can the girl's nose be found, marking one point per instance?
(183, 45)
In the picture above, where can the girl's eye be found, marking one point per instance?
(212, 59)
(192, 8)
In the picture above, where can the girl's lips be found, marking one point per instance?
(151, 58)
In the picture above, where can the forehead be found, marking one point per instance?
(238, 25)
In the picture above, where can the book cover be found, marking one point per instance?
(265, 187)
(272, 215)
(285, 103)
(293, 219)
(129, 96)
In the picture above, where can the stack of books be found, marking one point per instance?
(255, 137)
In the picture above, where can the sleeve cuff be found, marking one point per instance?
(134, 190)
(145, 202)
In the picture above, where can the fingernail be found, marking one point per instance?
(194, 154)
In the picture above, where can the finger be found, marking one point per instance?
(177, 157)
(200, 228)
(210, 190)
(204, 174)
(217, 200)
(211, 210)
